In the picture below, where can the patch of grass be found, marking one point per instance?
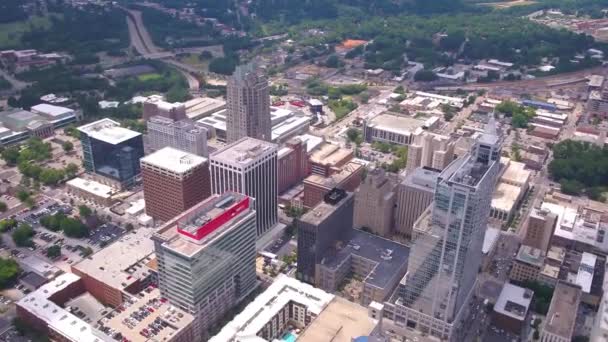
(194, 60)
(149, 77)
(10, 33)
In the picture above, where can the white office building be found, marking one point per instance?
(249, 166)
(184, 135)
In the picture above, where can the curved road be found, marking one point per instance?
(141, 41)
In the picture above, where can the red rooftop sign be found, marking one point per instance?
(217, 222)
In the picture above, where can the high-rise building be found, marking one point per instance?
(292, 164)
(174, 181)
(375, 203)
(249, 166)
(430, 150)
(185, 135)
(414, 195)
(111, 151)
(248, 105)
(541, 225)
(446, 251)
(320, 229)
(347, 178)
(206, 258)
(157, 106)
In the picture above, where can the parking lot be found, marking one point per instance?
(105, 234)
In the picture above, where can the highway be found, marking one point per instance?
(143, 44)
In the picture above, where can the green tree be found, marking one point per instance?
(84, 211)
(71, 170)
(354, 135)
(22, 235)
(425, 76)
(333, 62)
(23, 195)
(9, 271)
(74, 228)
(3, 207)
(53, 251)
(67, 146)
(7, 224)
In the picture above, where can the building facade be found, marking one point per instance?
(540, 228)
(248, 105)
(375, 203)
(414, 195)
(320, 228)
(249, 166)
(111, 151)
(156, 106)
(429, 150)
(292, 164)
(446, 251)
(183, 135)
(174, 181)
(206, 258)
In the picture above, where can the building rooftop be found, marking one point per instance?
(173, 160)
(39, 304)
(506, 196)
(322, 210)
(108, 131)
(52, 111)
(286, 128)
(515, 173)
(175, 318)
(340, 321)
(396, 124)
(91, 186)
(561, 317)
(530, 255)
(18, 119)
(203, 106)
(514, 301)
(120, 264)
(244, 151)
(586, 269)
(335, 179)
(311, 141)
(194, 229)
(389, 256)
(422, 178)
(284, 290)
(489, 239)
(329, 154)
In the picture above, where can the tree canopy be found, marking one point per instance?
(9, 271)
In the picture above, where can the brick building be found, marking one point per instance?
(292, 164)
(174, 181)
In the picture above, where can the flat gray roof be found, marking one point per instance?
(563, 309)
(389, 256)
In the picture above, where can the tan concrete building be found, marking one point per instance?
(414, 195)
(375, 203)
(316, 187)
(561, 318)
(329, 159)
(430, 150)
(540, 228)
(528, 264)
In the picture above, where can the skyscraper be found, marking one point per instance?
(248, 105)
(321, 228)
(446, 249)
(206, 258)
(174, 181)
(249, 166)
(429, 150)
(111, 151)
(184, 135)
(375, 203)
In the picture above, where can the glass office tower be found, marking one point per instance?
(111, 151)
